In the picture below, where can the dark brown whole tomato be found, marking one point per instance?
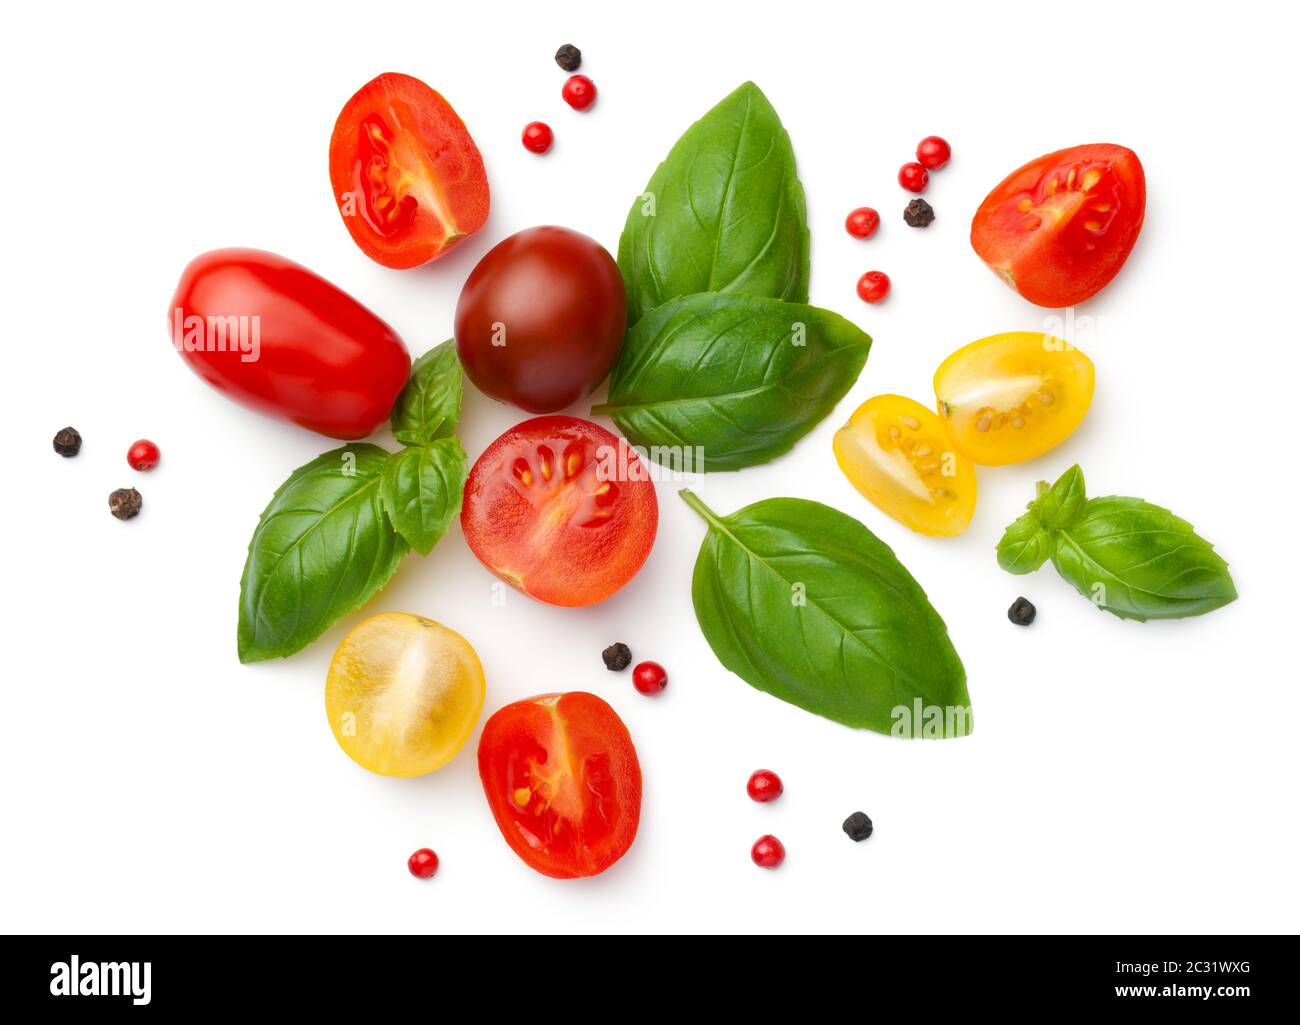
(541, 319)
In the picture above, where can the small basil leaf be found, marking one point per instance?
(1140, 561)
(322, 547)
(723, 213)
(1062, 503)
(429, 405)
(1025, 546)
(805, 603)
(421, 488)
(735, 378)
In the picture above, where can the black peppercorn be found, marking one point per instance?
(919, 213)
(67, 442)
(125, 503)
(858, 827)
(1022, 612)
(569, 57)
(617, 657)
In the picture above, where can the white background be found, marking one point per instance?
(1122, 776)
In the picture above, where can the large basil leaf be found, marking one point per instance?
(323, 547)
(422, 489)
(723, 213)
(1129, 557)
(429, 405)
(740, 378)
(804, 602)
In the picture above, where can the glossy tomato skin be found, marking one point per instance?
(541, 319)
(408, 179)
(1060, 228)
(309, 353)
(561, 509)
(563, 781)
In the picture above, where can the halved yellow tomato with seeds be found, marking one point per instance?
(1010, 397)
(403, 694)
(897, 453)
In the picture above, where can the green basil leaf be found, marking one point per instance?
(804, 602)
(1025, 546)
(422, 488)
(723, 213)
(1140, 561)
(735, 378)
(429, 405)
(1062, 503)
(323, 547)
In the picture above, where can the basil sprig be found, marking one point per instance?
(1129, 557)
(336, 530)
(805, 603)
(725, 365)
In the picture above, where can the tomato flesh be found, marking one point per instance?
(1059, 229)
(403, 694)
(407, 177)
(561, 509)
(897, 454)
(1010, 397)
(562, 779)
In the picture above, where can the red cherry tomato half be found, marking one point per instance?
(933, 152)
(274, 336)
(541, 319)
(407, 177)
(1059, 229)
(563, 782)
(537, 137)
(579, 92)
(560, 509)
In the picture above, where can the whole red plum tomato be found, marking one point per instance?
(279, 339)
(541, 319)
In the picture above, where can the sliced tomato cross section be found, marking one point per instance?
(560, 509)
(563, 782)
(407, 177)
(1059, 229)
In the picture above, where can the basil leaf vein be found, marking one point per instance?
(805, 603)
(322, 547)
(724, 212)
(740, 378)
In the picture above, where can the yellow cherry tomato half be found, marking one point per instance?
(896, 452)
(403, 694)
(1010, 397)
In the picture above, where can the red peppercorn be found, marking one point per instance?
(873, 286)
(579, 92)
(862, 222)
(423, 863)
(764, 785)
(143, 455)
(933, 152)
(537, 137)
(913, 177)
(767, 852)
(649, 677)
